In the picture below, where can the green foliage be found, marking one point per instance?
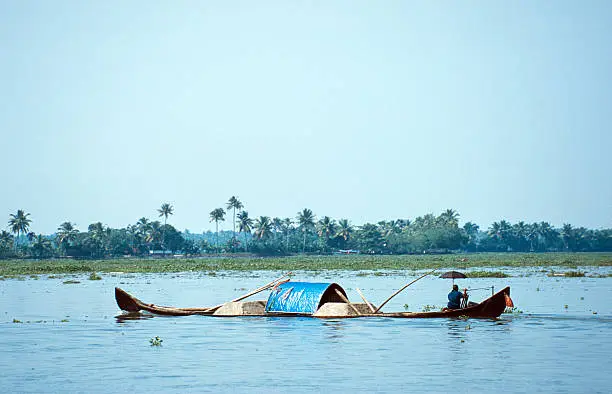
(300, 262)
(94, 276)
(157, 341)
(574, 274)
(487, 274)
(429, 308)
(568, 274)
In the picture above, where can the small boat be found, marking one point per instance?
(321, 300)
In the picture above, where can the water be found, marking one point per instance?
(547, 348)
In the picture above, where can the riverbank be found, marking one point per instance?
(306, 263)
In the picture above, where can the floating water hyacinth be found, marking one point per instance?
(157, 341)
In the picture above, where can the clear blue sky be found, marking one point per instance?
(360, 110)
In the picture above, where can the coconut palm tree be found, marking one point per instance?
(66, 234)
(165, 211)
(217, 215)
(471, 230)
(548, 233)
(5, 237)
(326, 229)
(521, 231)
(6, 241)
(154, 229)
(41, 246)
(245, 225)
(235, 204)
(568, 235)
(345, 229)
(306, 221)
(286, 226)
(263, 227)
(450, 217)
(19, 224)
(97, 237)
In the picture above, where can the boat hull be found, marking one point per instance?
(490, 308)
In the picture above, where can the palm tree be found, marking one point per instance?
(471, 230)
(532, 235)
(306, 221)
(245, 224)
(345, 229)
(521, 232)
(263, 227)
(548, 233)
(235, 204)
(450, 217)
(42, 246)
(327, 227)
(165, 211)
(19, 224)
(568, 235)
(499, 230)
(217, 215)
(153, 230)
(98, 236)
(286, 226)
(5, 236)
(6, 241)
(66, 233)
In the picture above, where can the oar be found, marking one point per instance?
(258, 290)
(400, 290)
(347, 301)
(366, 301)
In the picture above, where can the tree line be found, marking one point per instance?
(305, 233)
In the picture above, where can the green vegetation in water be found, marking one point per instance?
(71, 282)
(487, 274)
(64, 321)
(406, 307)
(568, 274)
(94, 276)
(429, 308)
(377, 263)
(17, 321)
(157, 341)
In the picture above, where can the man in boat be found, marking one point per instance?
(455, 297)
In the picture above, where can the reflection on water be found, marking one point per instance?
(133, 316)
(547, 348)
(334, 328)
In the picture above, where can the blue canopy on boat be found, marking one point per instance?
(302, 298)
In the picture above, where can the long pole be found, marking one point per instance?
(366, 301)
(258, 290)
(347, 301)
(402, 289)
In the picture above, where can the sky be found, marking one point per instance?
(354, 109)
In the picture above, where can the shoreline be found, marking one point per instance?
(10, 268)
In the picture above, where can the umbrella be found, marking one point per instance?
(453, 275)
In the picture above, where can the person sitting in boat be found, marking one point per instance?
(455, 297)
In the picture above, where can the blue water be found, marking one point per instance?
(546, 348)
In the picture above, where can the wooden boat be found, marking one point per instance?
(130, 303)
(492, 307)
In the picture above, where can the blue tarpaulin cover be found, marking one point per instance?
(302, 297)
